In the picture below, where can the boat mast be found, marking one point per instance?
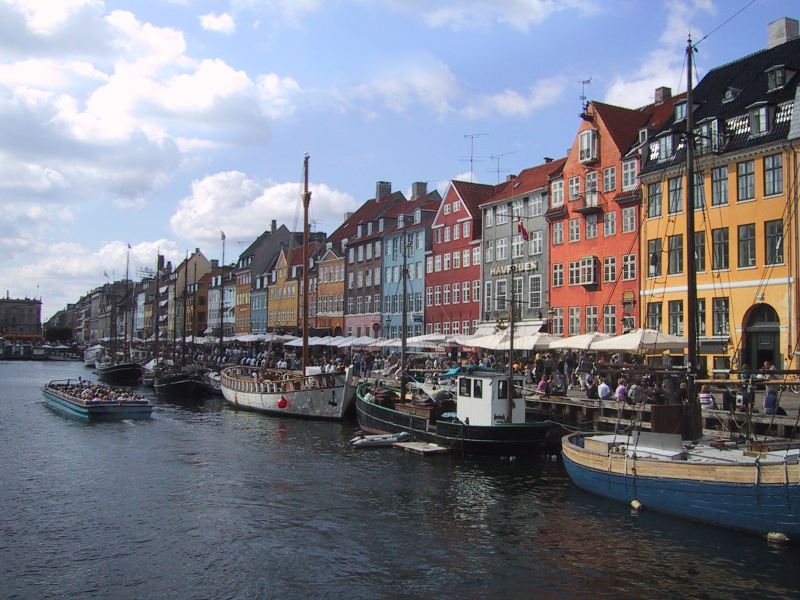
(183, 323)
(126, 304)
(222, 296)
(157, 307)
(306, 202)
(404, 314)
(510, 390)
(691, 274)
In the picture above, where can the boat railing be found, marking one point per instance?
(252, 380)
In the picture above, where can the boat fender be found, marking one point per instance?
(777, 537)
(636, 505)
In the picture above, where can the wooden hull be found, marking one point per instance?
(100, 412)
(755, 498)
(296, 397)
(499, 440)
(179, 385)
(120, 374)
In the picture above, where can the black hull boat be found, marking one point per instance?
(179, 384)
(474, 424)
(129, 373)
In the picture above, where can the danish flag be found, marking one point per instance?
(521, 229)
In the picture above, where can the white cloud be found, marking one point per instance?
(664, 65)
(510, 103)
(290, 12)
(43, 17)
(222, 23)
(243, 207)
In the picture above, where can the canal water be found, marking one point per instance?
(203, 501)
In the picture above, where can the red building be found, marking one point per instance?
(453, 266)
(594, 216)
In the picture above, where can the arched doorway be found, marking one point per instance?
(761, 340)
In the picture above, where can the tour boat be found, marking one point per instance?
(85, 400)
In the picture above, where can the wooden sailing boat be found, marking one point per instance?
(754, 488)
(115, 369)
(309, 393)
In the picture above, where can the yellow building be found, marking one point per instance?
(745, 205)
(283, 290)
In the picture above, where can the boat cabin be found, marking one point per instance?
(482, 399)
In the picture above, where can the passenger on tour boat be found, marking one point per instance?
(706, 398)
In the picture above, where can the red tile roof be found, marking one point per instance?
(369, 211)
(623, 124)
(533, 178)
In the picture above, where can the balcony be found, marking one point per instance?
(588, 204)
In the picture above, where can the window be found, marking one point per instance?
(535, 291)
(465, 257)
(500, 288)
(456, 259)
(773, 175)
(665, 147)
(610, 319)
(437, 295)
(438, 236)
(447, 209)
(476, 255)
(773, 241)
(628, 267)
(701, 317)
(719, 249)
(628, 322)
(706, 137)
(699, 251)
(719, 316)
(476, 290)
(746, 180)
(502, 249)
(653, 200)
(556, 193)
(609, 223)
(574, 320)
(502, 214)
(654, 257)
(574, 188)
(591, 227)
(610, 269)
(536, 245)
(675, 309)
(446, 233)
(456, 206)
(437, 263)
(759, 120)
(628, 219)
(516, 209)
(456, 231)
(446, 262)
(487, 295)
(747, 245)
(675, 196)
(574, 230)
(517, 292)
(535, 203)
(516, 246)
(719, 186)
(588, 270)
(558, 233)
(675, 254)
(588, 146)
(446, 294)
(429, 296)
(609, 179)
(369, 251)
(488, 256)
(591, 318)
(680, 111)
(557, 321)
(629, 175)
(591, 188)
(699, 191)
(575, 272)
(351, 255)
(429, 264)
(488, 217)
(465, 229)
(776, 78)
(465, 291)
(558, 275)
(654, 315)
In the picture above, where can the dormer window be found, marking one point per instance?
(776, 78)
(759, 119)
(680, 111)
(380, 224)
(358, 231)
(643, 135)
(417, 216)
(588, 146)
(662, 148)
(369, 228)
(706, 137)
(730, 95)
(400, 221)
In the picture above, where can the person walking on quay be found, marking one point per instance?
(583, 369)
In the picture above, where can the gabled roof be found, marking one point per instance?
(623, 124)
(427, 203)
(294, 256)
(475, 194)
(371, 210)
(529, 180)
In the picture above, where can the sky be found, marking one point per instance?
(160, 123)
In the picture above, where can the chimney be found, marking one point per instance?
(382, 189)
(419, 189)
(547, 159)
(273, 226)
(510, 177)
(663, 94)
(197, 251)
(781, 31)
(214, 263)
(347, 216)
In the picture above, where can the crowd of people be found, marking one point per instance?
(97, 393)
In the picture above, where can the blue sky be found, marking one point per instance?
(159, 123)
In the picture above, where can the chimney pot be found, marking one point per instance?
(382, 189)
(419, 189)
(663, 94)
(781, 31)
(273, 226)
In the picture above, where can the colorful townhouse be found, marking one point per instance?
(330, 289)
(746, 126)
(453, 264)
(409, 221)
(285, 292)
(594, 216)
(516, 249)
(363, 270)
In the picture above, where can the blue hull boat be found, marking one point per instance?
(86, 401)
(756, 491)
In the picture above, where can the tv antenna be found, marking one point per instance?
(584, 83)
(497, 157)
(472, 159)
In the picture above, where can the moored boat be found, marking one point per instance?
(181, 383)
(119, 373)
(749, 488)
(477, 422)
(285, 393)
(85, 400)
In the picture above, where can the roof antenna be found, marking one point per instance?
(471, 137)
(497, 157)
(584, 101)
